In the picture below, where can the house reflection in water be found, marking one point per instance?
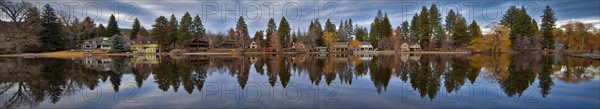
(43, 80)
(98, 63)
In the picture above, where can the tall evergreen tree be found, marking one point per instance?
(450, 21)
(118, 43)
(87, 29)
(101, 31)
(135, 28)
(329, 26)
(172, 28)
(414, 27)
(548, 23)
(112, 28)
(198, 28)
(350, 27)
(284, 32)
(474, 30)
(435, 19)
(425, 30)
(184, 32)
(243, 38)
(52, 36)
(318, 31)
(534, 26)
(271, 28)
(520, 24)
(160, 33)
(405, 28)
(460, 35)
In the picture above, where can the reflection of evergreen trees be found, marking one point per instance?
(30, 81)
(520, 75)
(380, 75)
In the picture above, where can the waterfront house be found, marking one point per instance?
(229, 44)
(415, 47)
(365, 46)
(98, 64)
(340, 47)
(404, 47)
(198, 45)
(97, 43)
(321, 49)
(253, 45)
(144, 45)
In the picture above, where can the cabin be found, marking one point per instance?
(415, 47)
(198, 45)
(253, 45)
(340, 47)
(143, 45)
(404, 47)
(365, 46)
(97, 43)
(321, 49)
(229, 44)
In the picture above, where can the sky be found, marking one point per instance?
(220, 15)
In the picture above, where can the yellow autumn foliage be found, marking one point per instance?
(497, 41)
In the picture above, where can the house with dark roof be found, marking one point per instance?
(97, 43)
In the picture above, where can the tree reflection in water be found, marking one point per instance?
(27, 82)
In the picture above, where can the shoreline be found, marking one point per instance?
(82, 55)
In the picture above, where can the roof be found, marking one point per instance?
(365, 43)
(99, 40)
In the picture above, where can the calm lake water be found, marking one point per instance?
(298, 81)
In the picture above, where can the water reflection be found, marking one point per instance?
(28, 82)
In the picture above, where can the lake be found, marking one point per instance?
(302, 81)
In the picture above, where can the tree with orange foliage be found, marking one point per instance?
(497, 41)
(330, 39)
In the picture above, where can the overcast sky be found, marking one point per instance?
(219, 15)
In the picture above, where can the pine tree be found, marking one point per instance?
(118, 44)
(172, 28)
(474, 31)
(435, 22)
(184, 33)
(101, 31)
(198, 28)
(548, 23)
(329, 26)
(460, 31)
(86, 29)
(450, 21)
(318, 33)
(271, 28)
(284, 32)
(259, 38)
(112, 28)
(52, 36)
(243, 39)
(159, 32)
(135, 28)
(350, 27)
(405, 28)
(534, 26)
(414, 27)
(425, 28)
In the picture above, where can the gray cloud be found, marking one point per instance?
(362, 13)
